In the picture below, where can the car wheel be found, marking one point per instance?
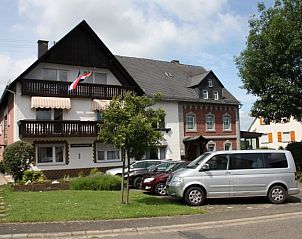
(195, 196)
(137, 182)
(277, 194)
(161, 189)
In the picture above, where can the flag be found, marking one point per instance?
(81, 77)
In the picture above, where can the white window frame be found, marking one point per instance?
(216, 95)
(213, 122)
(286, 137)
(106, 148)
(205, 94)
(212, 143)
(223, 121)
(264, 138)
(37, 146)
(57, 73)
(210, 82)
(227, 143)
(191, 114)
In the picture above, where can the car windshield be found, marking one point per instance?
(171, 167)
(197, 161)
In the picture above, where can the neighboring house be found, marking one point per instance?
(62, 125)
(275, 135)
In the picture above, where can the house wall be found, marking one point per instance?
(218, 136)
(171, 138)
(274, 128)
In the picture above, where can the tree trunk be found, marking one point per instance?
(123, 175)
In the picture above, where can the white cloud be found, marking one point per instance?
(11, 69)
(138, 28)
(245, 120)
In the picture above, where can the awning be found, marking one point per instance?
(50, 102)
(99, 104)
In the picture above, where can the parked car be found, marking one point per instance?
(137, 165)
(136, 177)
(157, 183)
(238, 173)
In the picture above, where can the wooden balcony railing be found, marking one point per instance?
(60, 89)
(58, 128)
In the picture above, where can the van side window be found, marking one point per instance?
(218, 162)
(246, 161)
(275, 160)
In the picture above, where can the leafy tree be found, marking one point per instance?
(129, 123)
(17, 159)
(271, 64)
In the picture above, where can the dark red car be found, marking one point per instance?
(157, 183)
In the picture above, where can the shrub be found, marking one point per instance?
(96, 182)
(17, 158)
(296, 149)
(2, 168)
(94, 171)
(32, 176)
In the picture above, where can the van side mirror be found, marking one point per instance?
(205, 167)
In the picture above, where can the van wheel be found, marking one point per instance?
(137, 182)
(277, 194)
(161, 189)
(195, 196)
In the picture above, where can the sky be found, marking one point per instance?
(208, 33)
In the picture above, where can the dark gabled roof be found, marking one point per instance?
(171, 79)
(82, 47)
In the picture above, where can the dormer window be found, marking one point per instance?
(210, 82)
(205, 94)
(216, 95)
(54, 74)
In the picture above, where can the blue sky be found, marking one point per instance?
(208, 33)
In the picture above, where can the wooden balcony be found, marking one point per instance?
(59, 128)
(60, 89)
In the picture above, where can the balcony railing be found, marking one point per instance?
(58, 128)
(60, 89)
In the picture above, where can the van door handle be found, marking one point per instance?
(228, 172)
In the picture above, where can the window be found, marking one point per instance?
(210, 122)
(43, 114)
(100, 78)
(5, 131)
(286, 137)
(98, 115)
(218, 162)
(50, 154)
(205, 94)
(156, 153)
(264, 138)
(226, 122)
(54, 74)
(191, 121)
(210, 82)
(216, 96)
(275, 160)
(211, 146)
(107, 152)
(227, 146)
(246, 161)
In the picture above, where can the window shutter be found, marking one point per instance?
(292, 136)
(261, 120)
(279, 137)
(270, 137)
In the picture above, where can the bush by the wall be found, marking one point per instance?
(32, 176)
(17, 158)
(296, 149)
(96, 182)
(2, 167)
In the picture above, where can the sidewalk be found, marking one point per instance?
(3, 179)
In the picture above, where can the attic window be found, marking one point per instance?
(210, 82)
(168, 75)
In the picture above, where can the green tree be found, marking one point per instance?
(130, 123)
(296, 149)
(271, 64)
(17, 159)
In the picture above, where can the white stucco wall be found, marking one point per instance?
(274, 128)
(171, 120)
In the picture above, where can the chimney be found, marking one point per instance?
(175, 61)
(42, 47)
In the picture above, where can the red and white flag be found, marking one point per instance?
(81, 77)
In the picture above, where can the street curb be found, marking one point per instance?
(154, 229)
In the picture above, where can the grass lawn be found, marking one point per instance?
(87, 205)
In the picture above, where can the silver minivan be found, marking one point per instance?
(237, 173)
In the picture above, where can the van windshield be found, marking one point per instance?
(197, 161)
